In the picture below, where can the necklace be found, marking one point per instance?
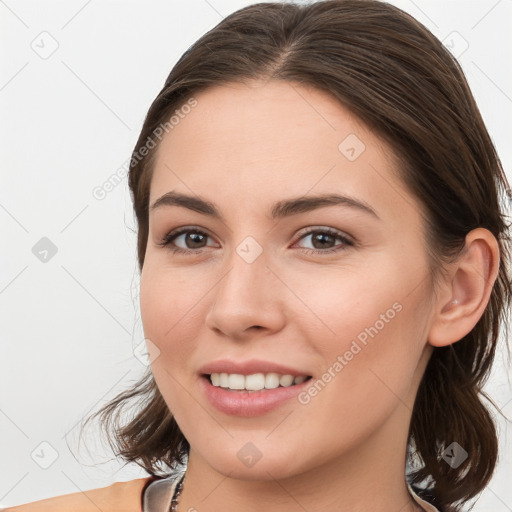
(177, 491)
(176, 495)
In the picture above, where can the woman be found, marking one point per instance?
(323, 261)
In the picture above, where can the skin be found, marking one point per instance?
(243, 148)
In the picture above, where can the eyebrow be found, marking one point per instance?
(279, 210)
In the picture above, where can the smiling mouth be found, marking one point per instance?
(254, 382)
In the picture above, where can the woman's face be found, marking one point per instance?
(278, 281)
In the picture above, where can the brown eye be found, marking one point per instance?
(324, 240)
(193, 240)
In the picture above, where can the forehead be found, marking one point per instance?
(278, 116)
(274, 139)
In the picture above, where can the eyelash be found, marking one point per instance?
(168, 239)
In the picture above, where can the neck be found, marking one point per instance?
(370, 477)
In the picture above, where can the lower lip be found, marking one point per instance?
(243, 403)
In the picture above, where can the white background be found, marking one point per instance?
(68, 123)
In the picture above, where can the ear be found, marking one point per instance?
(465, 290)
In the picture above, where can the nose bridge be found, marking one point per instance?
(243, 297)
(247, 276)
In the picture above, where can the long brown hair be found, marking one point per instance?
(392, 73)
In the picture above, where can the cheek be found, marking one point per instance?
(375, 362)
(169, 308)
(369, 328)
(358, 302)
(168, 325)
(169, 302)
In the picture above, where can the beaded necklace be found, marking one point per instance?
(176, 495)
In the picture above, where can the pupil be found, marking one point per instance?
(320, 237)
(195, 237)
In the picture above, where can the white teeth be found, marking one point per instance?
(236, 381)
(271, 381)
(224, 380)
(286, 380)
(255, 381)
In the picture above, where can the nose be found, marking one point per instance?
(247, 301)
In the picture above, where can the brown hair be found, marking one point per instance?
(392, 73)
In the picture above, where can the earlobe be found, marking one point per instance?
(466, 289)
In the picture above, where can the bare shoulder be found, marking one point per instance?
(116, 497)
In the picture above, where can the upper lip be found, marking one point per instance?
(248, 367)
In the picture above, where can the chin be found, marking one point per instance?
(249, 464)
